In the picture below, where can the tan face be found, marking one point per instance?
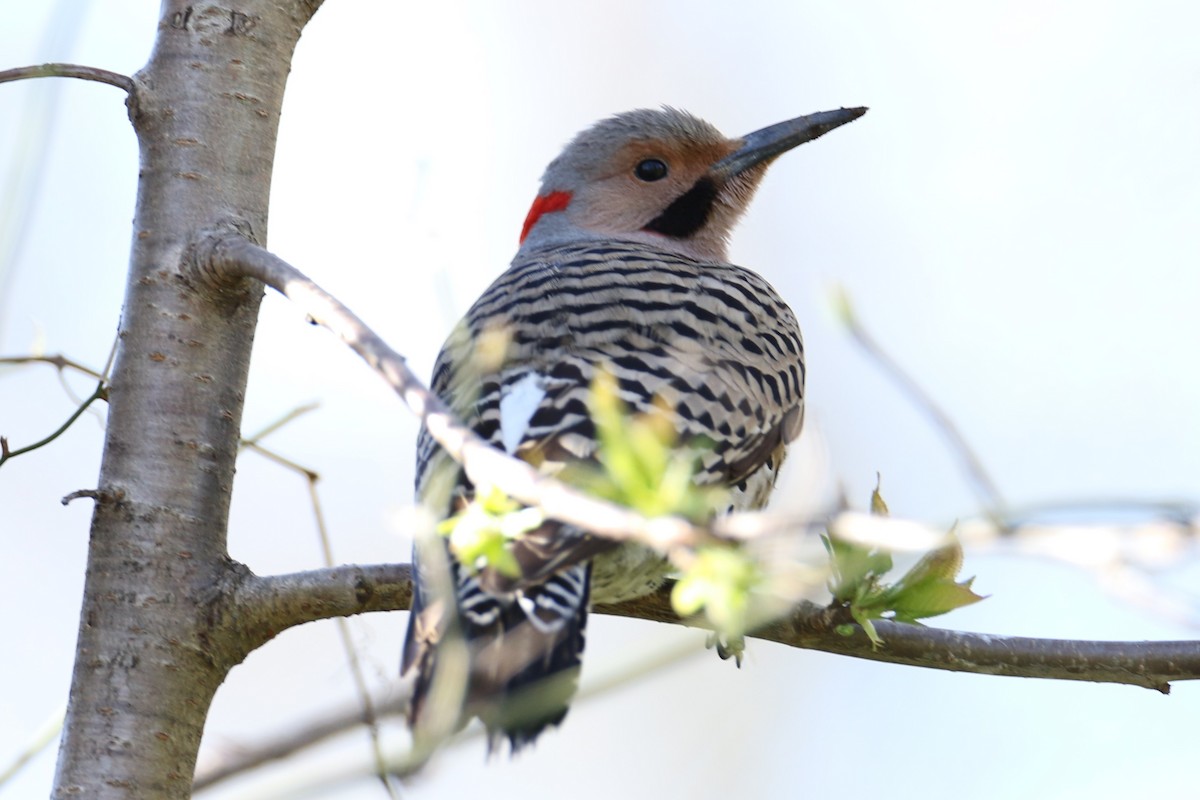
(641, 180)
(662, 177)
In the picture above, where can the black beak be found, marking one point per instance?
(767, 143)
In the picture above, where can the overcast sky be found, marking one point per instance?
(1015, 220)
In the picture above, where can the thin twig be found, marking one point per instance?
(307, 734)
(45, 735)
(1179, 511)
(298, 411)
(297, 738)
(293, 599)
(5, 453)
(60, 362)
(99, 495)
(985, 488)
(370, 716)
(220, 259)
(68, 71)
(282, 461)
(253, 442)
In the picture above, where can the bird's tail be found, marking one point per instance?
(512, 660)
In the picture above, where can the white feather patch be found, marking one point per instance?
(519, 401)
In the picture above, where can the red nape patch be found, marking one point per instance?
(544, 204)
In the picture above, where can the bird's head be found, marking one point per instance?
(663, 177)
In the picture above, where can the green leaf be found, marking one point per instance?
(940, 564)
(720, 582)
(929, 588)
(926, 590)
(480, 533)
(931, 598)
(878, 507)
(479, 545)
(855, 569)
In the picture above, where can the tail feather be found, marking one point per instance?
(511, 660)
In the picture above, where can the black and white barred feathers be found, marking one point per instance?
(622, 268)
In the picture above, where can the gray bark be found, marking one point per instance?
(154, 639)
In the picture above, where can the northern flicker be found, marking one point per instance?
(622, 266)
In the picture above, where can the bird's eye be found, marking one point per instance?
(651, 169)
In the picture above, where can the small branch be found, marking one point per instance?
(402, 763)
(220, 259)
(311, 733)
(1184, 513)
(1152, 665)
(285, 600)
(5, 454)
(253, 442)
(269, 605)
(45, 735)
(68, 71)
(985, 488)
(99, 495)
(384, 587)
(282, 461)
(60, 362)
(295, 413)
(370, 715)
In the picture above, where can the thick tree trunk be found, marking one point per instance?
(153, 642)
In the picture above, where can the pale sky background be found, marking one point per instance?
(1016, 219)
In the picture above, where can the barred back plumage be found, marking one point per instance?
(715, 341)
(678, 328)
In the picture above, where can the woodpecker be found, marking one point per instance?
(622, 267)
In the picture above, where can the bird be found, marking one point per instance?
(622, 267)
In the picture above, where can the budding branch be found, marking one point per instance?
(285, 600)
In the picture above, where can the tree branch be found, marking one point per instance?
(1148, 664)
(1152, 665)
(5, 454)
(271, 604)
(225, 256)
(311, 733)
(68, 71)
(281, 601)
(59, 362)
(222, 258)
